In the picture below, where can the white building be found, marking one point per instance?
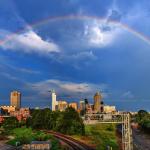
(109, 109)
(54, 101)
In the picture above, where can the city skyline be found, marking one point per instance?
(82, 106)
(76, 48)
(55, 102)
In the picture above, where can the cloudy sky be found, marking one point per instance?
(76, 47)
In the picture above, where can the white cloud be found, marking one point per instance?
(99, 38)
(84, 55)
(128, 94)
(77, 56)
(66, 87)
(100, 34)
(76, 87)
(7, 75)
(28, 42)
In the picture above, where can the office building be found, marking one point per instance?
(89, 108)
(8, 108)
(102, 106)
(97, 102)
(21, 114)
(82, 105)
(62, 105)
(15, 99)
(109, 109)
(54, 101)
(73, 105)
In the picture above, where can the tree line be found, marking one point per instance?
(67, 122)
(143, 119)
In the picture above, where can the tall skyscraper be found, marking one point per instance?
(54, 102)
(82, 105)
(97, 102)
(15, 99)
(86, 104)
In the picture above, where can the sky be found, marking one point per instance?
(77, 47)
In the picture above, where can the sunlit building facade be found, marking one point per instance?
(109, 109)
(8, 108)
(82, 105)
(73, 105)
(97, 102)
(54, 101)
(62, 105)
(15, 99)
(21, 114)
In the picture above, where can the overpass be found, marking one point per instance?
(117, 118)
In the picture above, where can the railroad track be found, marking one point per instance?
(74, 144)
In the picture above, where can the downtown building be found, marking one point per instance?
(98, 103)
(82, 105)
(15, 99)
(15, 103)
(73, 105)
(54, 101)
(109, 109)
(62, 105)
(21, 114)
(7, 109)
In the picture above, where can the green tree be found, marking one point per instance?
(142, 113)
(41, 136)
(10, 123)
(143, 118)
(23, 135)
(67, 122)
(70, 122)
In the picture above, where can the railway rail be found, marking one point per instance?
(74, 144)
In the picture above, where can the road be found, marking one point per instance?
(141, 140)
(3, 146)
(76, 145)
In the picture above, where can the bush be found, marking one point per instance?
(26, 135)
(40, 136)
(23, 135)
(56, 144)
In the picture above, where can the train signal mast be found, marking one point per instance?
(118, 118)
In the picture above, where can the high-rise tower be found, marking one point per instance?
(82, 105)
(15, 99)
(54, 102)
(97, 102)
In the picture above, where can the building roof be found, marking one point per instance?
(40, 142)
(97, 93)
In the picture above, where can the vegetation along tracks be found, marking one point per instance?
(75, 144)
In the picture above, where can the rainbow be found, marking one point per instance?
(78, 17)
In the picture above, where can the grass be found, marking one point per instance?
(12, 142)
(26, 135)
(100, 136)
